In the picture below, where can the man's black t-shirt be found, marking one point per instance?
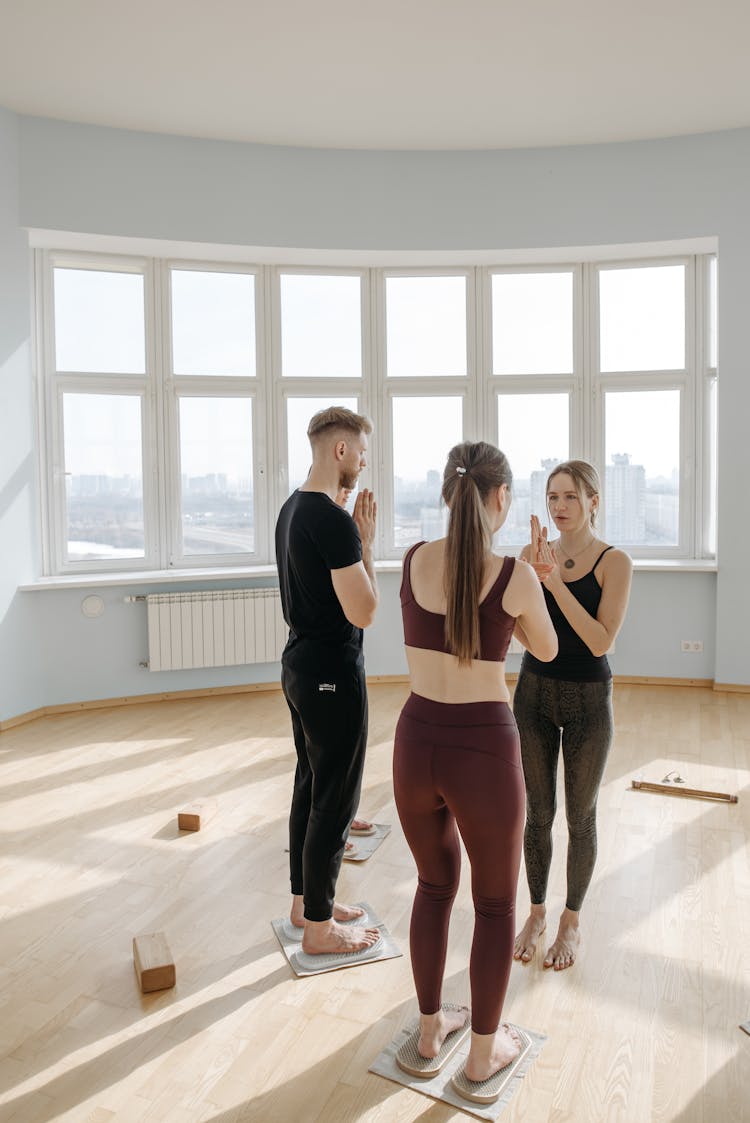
(313, 536)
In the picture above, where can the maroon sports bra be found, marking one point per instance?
(427, 629)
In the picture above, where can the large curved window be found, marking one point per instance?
(177, 396)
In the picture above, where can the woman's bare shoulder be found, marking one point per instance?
(523, 575)
(428, 557)
(430, 551)
(613, 555)
(615, 564)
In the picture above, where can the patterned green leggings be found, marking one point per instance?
(544, 709)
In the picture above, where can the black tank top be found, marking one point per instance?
(574, 660)
(426, 629)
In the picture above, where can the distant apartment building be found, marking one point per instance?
(538, 488)
(625, 493)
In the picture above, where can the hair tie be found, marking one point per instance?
(461, 471)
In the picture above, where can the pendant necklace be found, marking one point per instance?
(569, 562)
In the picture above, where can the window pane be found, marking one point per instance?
(426, 326)
(642, 474)
(103, 476)
(424, 431)
(642, 318)
(213, 323)
(532, 323)
(533, 434)
(99, 321)
(298, 414)
(216, 465)
(712, 312)
(321, 332)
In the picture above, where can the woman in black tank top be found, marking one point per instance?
(568, 702)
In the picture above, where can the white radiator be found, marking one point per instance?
(214, 629)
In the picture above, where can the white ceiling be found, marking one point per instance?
(403, 74)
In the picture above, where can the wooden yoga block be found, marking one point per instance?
(153, 962)
(196, 814)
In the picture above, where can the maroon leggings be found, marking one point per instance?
(458, 766)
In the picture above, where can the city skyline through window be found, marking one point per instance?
(216, 475)
(103, 476)
(189, 401)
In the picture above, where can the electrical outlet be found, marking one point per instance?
(691, 646)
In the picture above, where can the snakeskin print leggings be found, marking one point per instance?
(544, 709)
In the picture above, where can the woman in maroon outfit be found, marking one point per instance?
(456, 761)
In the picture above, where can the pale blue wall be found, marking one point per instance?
(99, 658)
(113, 181)
(22, 664)
(664, 608)
(107, 181)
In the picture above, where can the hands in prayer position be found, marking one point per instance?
(543, 559)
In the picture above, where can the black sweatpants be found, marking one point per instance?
(329, 722)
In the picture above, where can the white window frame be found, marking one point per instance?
(54, 385)
(374, 390)
(681, 379)
(173, 387)
(287, 387)
(567, 382)
(706, 440)
(388, 388)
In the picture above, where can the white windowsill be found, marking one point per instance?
(253, 572)
(148, 577)
(683, 565)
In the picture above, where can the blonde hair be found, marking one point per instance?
(585, 480)
(472, 472)
(335, 418)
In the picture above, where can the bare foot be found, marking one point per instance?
(491, 1052)
(360, 825)
(328, 937)
(563, 952)
(527, 938)
(346, 912)
(341, 913)
(434, 1028)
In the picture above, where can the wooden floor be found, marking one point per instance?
(643, 1028)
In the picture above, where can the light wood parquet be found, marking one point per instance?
(643, 1028)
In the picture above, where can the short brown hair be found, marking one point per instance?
(337, 417)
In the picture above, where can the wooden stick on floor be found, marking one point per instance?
(690, 793)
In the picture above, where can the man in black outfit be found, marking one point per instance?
(328, 594)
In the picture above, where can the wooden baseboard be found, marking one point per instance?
(22, 719)
(619, 680)
(137, 700)
(265, 687)
(387, 678)
(652, 680)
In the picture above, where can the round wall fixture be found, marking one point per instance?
(92, 607)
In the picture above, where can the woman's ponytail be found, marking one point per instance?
(472, 472)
